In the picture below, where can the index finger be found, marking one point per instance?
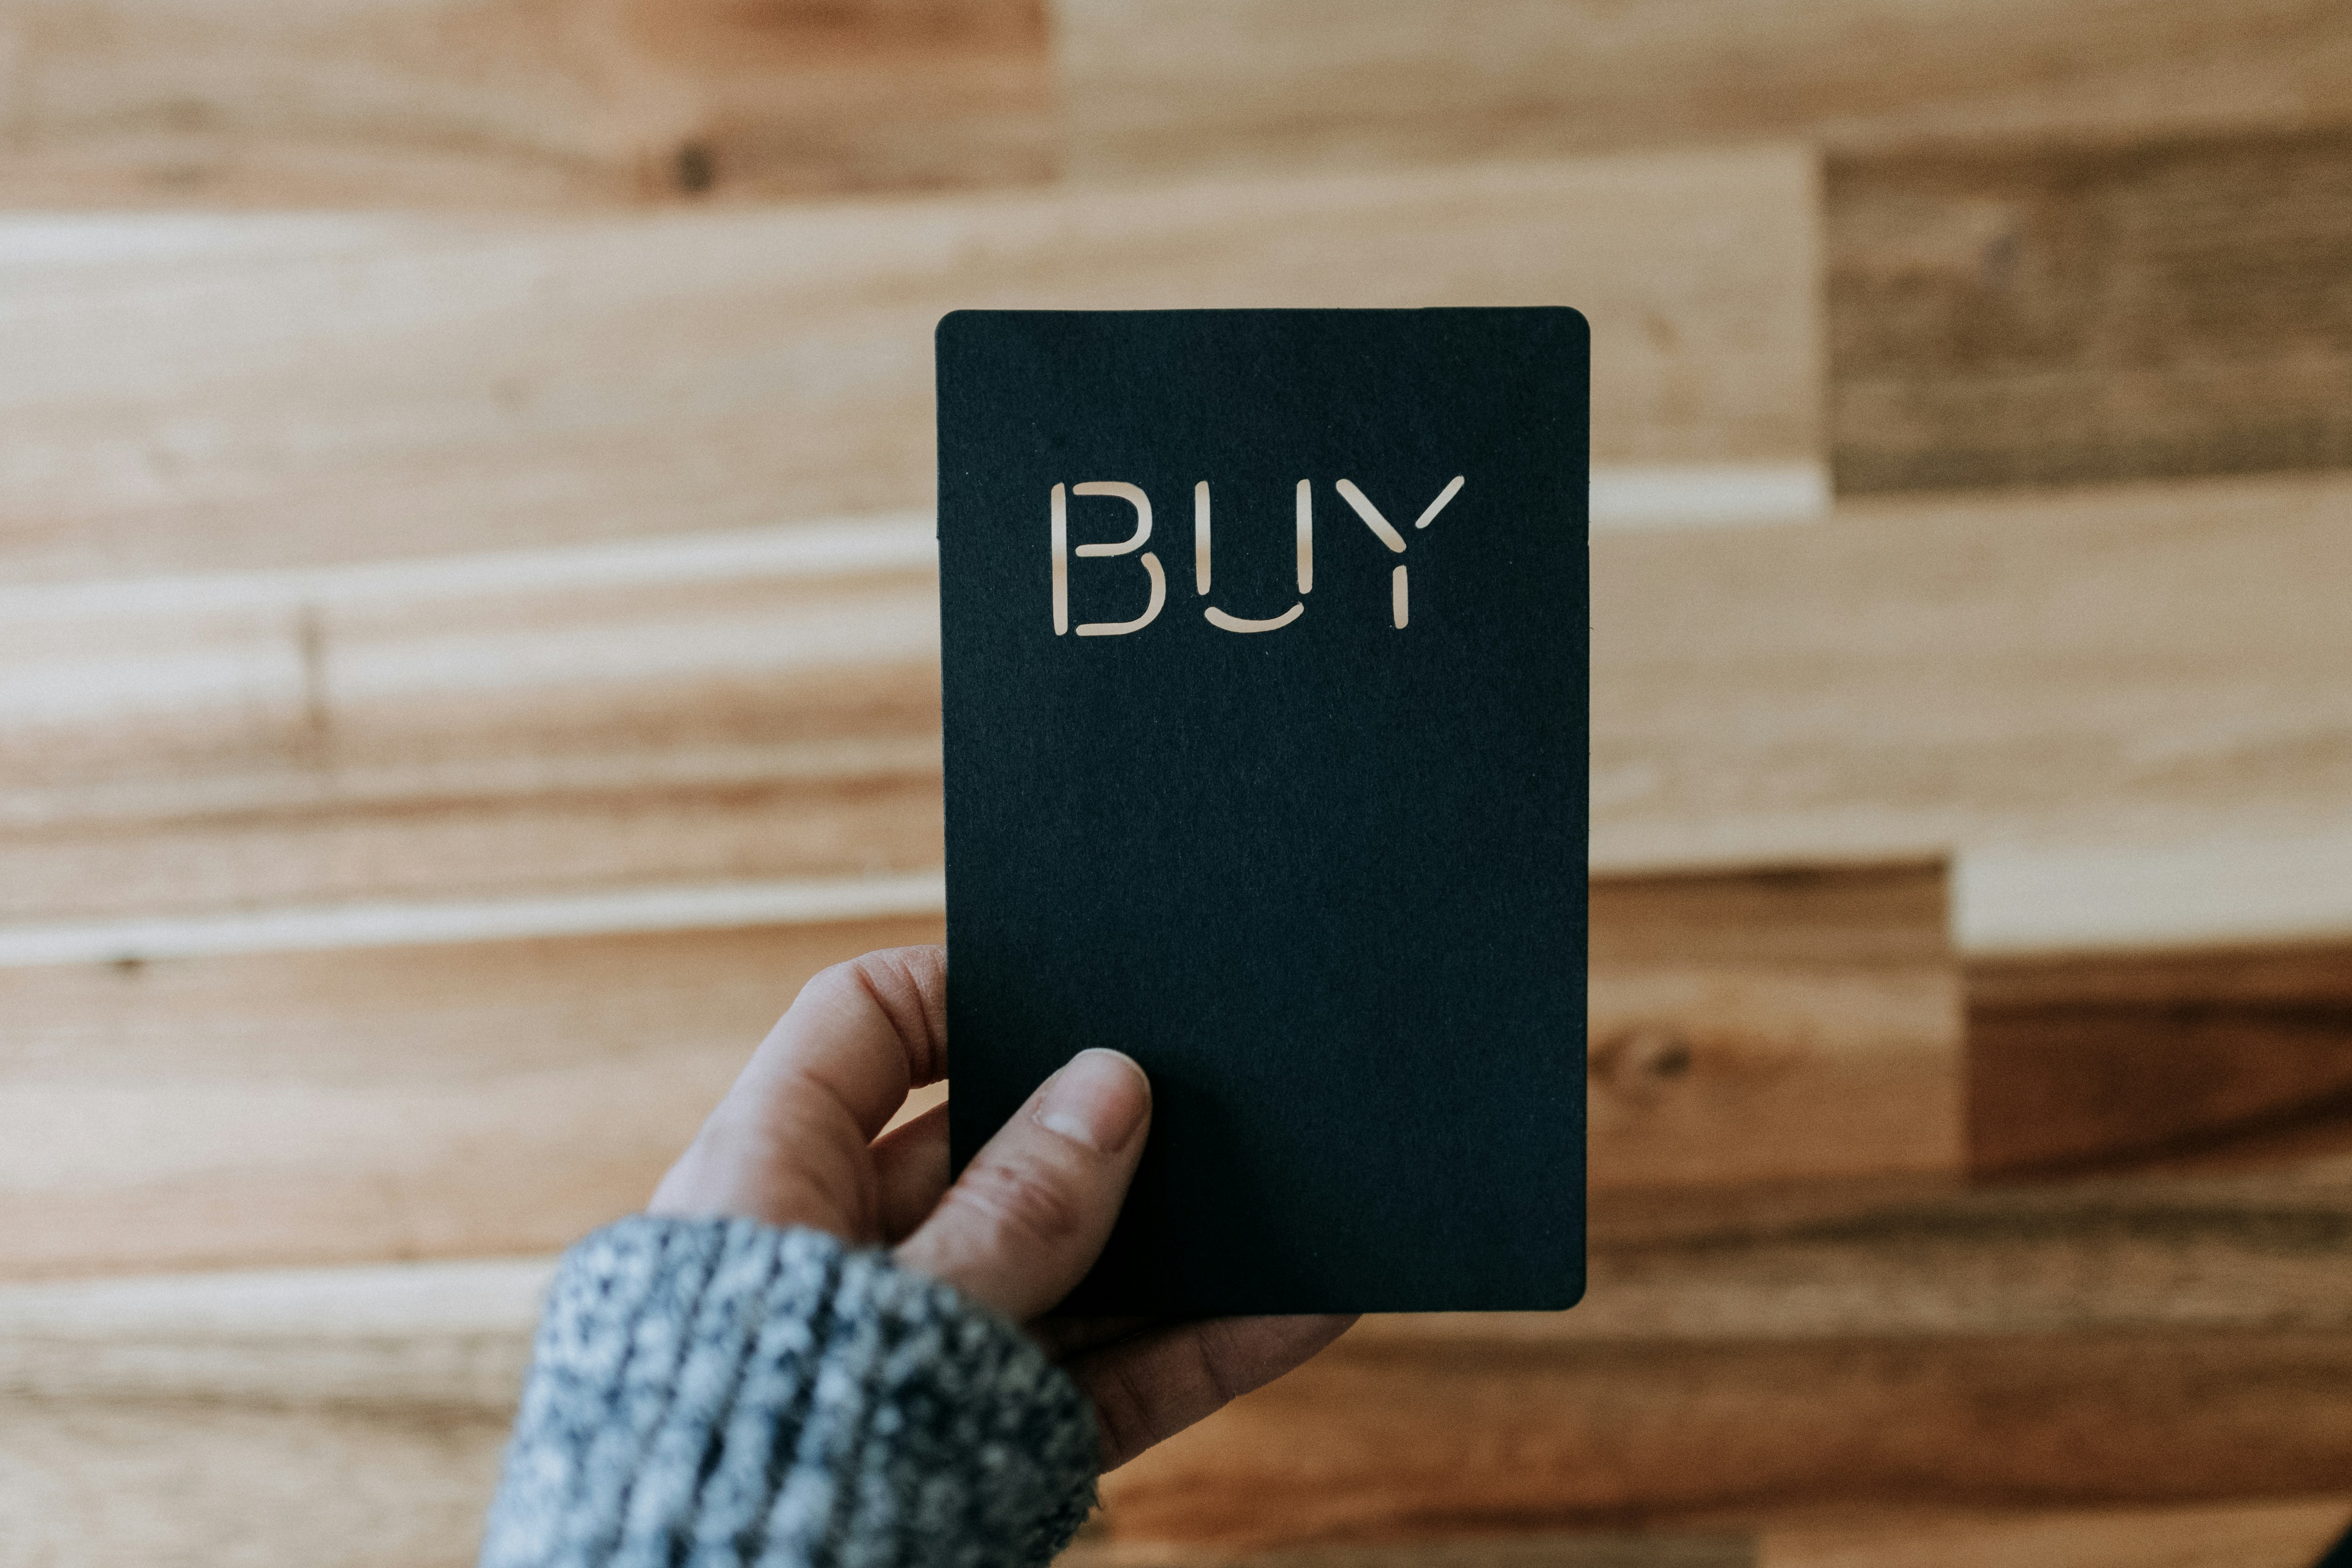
(861, 1033)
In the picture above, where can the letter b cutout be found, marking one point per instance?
(1133, 495)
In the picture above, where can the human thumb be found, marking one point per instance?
(1029, 1216)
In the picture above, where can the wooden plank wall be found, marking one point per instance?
(516, 384)
(1166, 85)
(467, 655)
(2031, 314)
(497, 104)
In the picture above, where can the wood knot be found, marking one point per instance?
(1643, 1061)
(696, 168)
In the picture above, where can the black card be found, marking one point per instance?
(1264, 639)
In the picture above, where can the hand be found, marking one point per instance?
(795, 1142)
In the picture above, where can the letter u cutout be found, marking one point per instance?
(1203, 561)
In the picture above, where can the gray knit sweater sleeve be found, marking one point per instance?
(720, 1392)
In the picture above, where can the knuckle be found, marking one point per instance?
(1213, 1361)
(836, 984)
(1123, 1418)
(886, 984)
(1022, 1201)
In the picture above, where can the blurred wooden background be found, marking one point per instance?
(467, 654)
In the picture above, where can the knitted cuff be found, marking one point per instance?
(722, 1392)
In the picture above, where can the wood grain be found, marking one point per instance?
(2105, 669)
(146, 1486)
(2148, 662)
(1802, 1378)
(2224, 891)
(1372, 1438)
(2235, 1535)
(434, 849)
(2191, 1255)
(1162, 85)
(2115, 1058)
(431, 1336)
(2202, 1253)
(348, 746)
(2130, 666)
(2157, 662)
(1772, 1027)
(402, 1103)
(485, 1097)
(2039, 314)
(2109, 671)
(292, 390)
(501, 104)
(1613, 1550)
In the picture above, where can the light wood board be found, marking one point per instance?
(1772, 1027)
(2096, 673)
(290, 390)
(174, 1486)
(1165, 85)
(2119, 667)
(486, 1096)
(311, 747)
(1791, 1378)
(403, 1102)
(501, 104)
(2203, 1255)
(2039, 314)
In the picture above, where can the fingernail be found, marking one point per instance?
(1099, 1100)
